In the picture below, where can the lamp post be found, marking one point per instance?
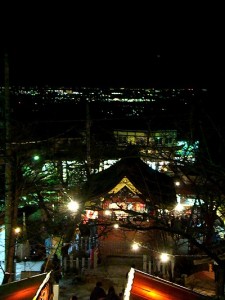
(169, 261)
(17, 232)
(73, 207)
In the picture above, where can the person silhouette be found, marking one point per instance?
(98, 293)
(111, 295)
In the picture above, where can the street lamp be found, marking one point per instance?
(179, 207)
(135, 246)
(116, 226)
(36, 157)
(168, 262)
(73, 206)
(164, 257)
(17, 231)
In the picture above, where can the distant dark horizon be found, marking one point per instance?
(125, 79)
(140, 46)
(179, 66)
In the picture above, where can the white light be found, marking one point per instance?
(107, 212)
(179, 207)
(17, 230)
(164, 257)
(36, 157)
(73, 206)
(116, 226)
(135, 246)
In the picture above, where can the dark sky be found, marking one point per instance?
(111, 45)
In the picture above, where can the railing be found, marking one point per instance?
(88, 253)
(82, 254)
(83, 244)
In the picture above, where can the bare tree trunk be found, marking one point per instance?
(88, 138)
(220, 280)
(10, 212)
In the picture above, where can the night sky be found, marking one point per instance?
(115, 45)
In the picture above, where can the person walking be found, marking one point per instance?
(98, 293)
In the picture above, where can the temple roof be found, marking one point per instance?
(150, 184)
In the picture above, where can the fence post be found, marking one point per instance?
(163, 269)
(64, 264)
(83, 263)
(77, 264)
(89, 263)
(89, 243)
(158, 264)
(172, 266)
(71, 262)
(56, 291)
(145, 263)
(95, 258)
(150, 266)
(82, 243)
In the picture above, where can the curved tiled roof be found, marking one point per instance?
(152, 185)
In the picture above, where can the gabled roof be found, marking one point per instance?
(124, 183)
(152, 185)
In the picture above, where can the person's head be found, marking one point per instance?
(99, 283)
(74, 298)
(111, 290)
